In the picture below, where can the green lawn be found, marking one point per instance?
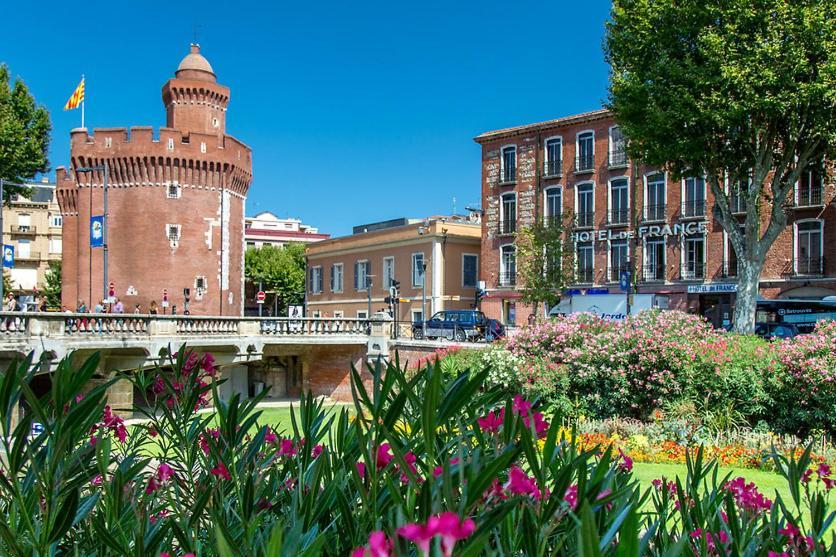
(768, 482)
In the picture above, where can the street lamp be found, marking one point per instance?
(105, 169)
(424, 298)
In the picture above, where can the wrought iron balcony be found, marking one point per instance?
(810, 197)
(24, 229)
(654, 272)
(584, 220)
(508, 176)
(808, 266)
(554, 168)
(618, 158)
(584, 163)
(618, 216)
(508, 226)
(507, 278)
(614, 272)
(693, 208)
(585, 275)
(692, 270)
(31, 256)
(655, 212)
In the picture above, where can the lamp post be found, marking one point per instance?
(369, 283)
(424, 298)
(104, 168)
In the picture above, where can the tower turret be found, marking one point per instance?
(194, 102)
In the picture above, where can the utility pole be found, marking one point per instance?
(424, 298)
(260, 305)
(369, 283)
(104, 233)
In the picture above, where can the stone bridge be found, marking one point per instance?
(289, 356)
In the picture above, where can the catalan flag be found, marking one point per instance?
(76, 98)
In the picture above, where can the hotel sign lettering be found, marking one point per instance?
(656, 231)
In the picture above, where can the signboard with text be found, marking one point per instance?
(677, 229)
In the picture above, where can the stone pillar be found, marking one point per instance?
(381, 332)
(120, 397)
(306, 373)
(237, 382)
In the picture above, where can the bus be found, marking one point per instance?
(802, 313)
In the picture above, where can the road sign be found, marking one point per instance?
(260, 297)
(294, 311)
(165, 298)
(624, 280)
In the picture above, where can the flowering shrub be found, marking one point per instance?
(468, 471)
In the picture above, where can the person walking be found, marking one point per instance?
(118, 307)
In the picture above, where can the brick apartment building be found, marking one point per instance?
(176, 203)
(339, 268)
(621, 210)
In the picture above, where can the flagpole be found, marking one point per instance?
(82, 100)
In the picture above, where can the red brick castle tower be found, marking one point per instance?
(175, 204)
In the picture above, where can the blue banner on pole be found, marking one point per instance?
(97, 231)
(624, 280)
(8, 256)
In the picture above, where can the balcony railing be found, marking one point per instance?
(584, 163)
(507, 278)
(614, 273)
(808, 266)
(23, 229)
(508, 226)
(693, 208)
(584, 275)
(554, 168)
(618, 158)
(584, 220)
(31, 256)
(655, 212)
(737, 203)
(508, 176)
(692, 270)
(618, 216)
(654, 272)
(810, 197)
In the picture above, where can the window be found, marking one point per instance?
(585, 262)
(417, 315)
(337, 277)
(693, 264)
(654, 259)
(24, 222)
(202, 146)
(655, 197)
(509, 164)
(200, 284)
(418, 270)
(362, 270)
(809, 191)
(362, 314)
(173, 191)
(55, 245)
(173, 233)
(170, 144)
(585, 205)
(470, 265)
(619, 201)
(24, 249)
(339, 314)
(508, 214)
(618, 148)
(737, 196)
(215, 123)
(619, 259)
(507, 265)
(388, 272)
(316, 280)
(554, 204)
(108, 142)
(693, 195)
(730, 262)
(809, 248)
(585, 159)
(554, 156)
(55, 221)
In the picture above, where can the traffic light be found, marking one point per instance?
(479, 295)
(388, 300)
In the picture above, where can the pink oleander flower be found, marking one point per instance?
(541, 426)
(286, 448)
(361, 468)
(491, 422)
(571, 496)
(627, 463)
(521, 407)
(440, 469)
(776, 554)
(379, 546)
(495, 491)
(316, 451)
(790, 530)
(384, 456)
(221, 471)
(746, 496)
(270, 436)
(154, 518)
(520, 484)
(823, 470)
(97, 480)
(451, 528)
(410, 459)
(419, 534)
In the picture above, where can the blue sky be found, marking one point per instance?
(356, 111)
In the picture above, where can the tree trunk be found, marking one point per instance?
(747, 296)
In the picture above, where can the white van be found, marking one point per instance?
(609, 306)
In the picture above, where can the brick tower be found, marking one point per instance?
(175, 204)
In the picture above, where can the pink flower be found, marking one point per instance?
(154, 518)
(451, 529)
(806, 475)
(776, 554)
(270, 436)
(384, 456)
(541, 426)
(97, 480)
(379, 546)
(627, 465)
(571, 496)
(790, 530)
(286, 448)
(521, 407)
(747, 496)
(520, 484)
(491, 422)
(361, 468)
(440, 469)
(316, 451)
(823, 470)
(419, 534)
(221, 471)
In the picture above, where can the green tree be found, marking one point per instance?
(24, 133)
(544, 261)
(280, 269)
(7, 282)
(741, 92)
(52, 288)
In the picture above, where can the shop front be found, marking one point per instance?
(715, 302)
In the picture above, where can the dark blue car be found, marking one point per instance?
(459, 325)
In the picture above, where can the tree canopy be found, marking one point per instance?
(544, 261)
(24, 133)
(52, 286)
(280, 269)
(740, 91)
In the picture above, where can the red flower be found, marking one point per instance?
(384, 456)
(521, 406)
(286, 448)
(627, 465)
(221, 471)
(491, 422)
(520, 484)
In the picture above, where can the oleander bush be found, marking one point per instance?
(669, 361)
(428, 464)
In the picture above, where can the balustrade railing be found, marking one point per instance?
(92, 323)
(13, 324)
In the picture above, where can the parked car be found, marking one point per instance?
(772, 330)
(458, 325)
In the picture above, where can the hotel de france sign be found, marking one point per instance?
(660, 231)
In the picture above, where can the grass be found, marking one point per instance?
(768, 482)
